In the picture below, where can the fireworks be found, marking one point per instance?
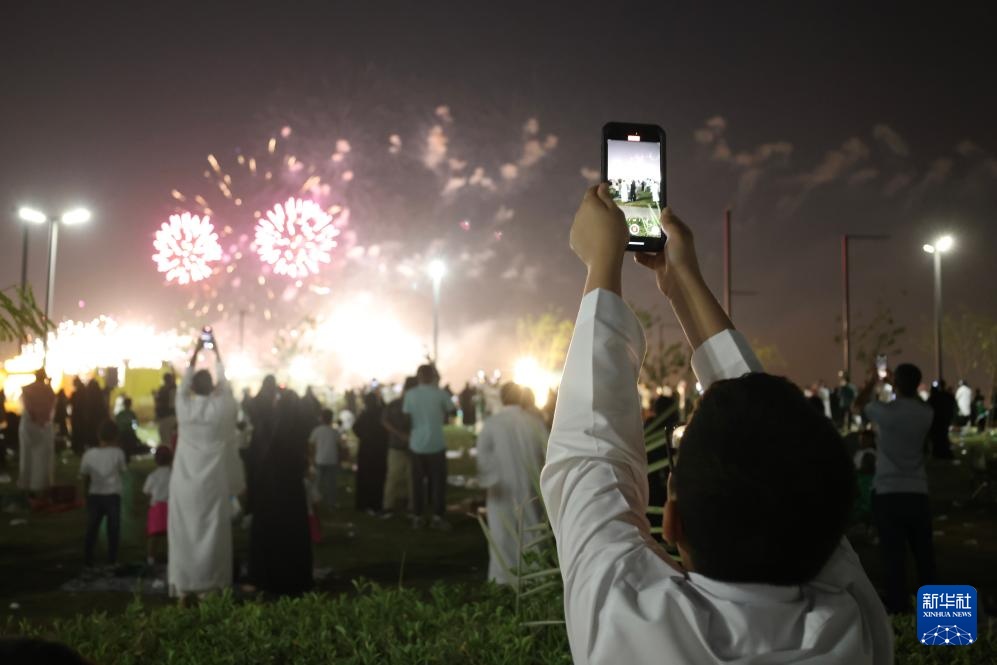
(186, 246)
(296, 237)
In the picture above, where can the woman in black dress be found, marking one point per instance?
(280, 556)
(372, 454)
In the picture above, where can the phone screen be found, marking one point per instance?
(633, 169)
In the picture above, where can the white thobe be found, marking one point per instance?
(36, 454)
(625, 600)
(964, 400)
(510, 454)
(200, 527)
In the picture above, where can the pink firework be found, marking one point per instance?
(186, 246)
(296, 237)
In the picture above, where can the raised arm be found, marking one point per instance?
(594, 482)
(720, 352)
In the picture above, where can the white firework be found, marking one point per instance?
(186, 246)
(296, 238)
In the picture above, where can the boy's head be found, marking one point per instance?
(202, 383)
(107, 433)
(326, 416)
(426, 374)
(762, 487)
(127, 402)
(906, 379)
(164, 456)
(511, 394)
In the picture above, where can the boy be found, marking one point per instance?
(101, 469)
(758, 499)
(325, 440)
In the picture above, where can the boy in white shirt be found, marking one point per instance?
(758, 499)
(101, 469)
(324, 441)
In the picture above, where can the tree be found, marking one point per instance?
(665, 361)
(545, 338)
(879, 335)
(20, 316)
(963, 335)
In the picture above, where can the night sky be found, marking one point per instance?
(809, 119)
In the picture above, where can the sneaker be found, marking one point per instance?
(440, 524)
(386, 515)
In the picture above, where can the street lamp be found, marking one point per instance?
(69, 218)
(936, 249)
(437, 269)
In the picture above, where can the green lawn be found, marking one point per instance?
(38, 556)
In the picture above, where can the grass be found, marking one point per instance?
(38, 556)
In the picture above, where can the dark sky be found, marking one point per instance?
(810, 119)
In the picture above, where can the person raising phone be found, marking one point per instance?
(758, 499)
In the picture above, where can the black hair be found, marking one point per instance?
(327, 416)
(108, 432)
(426, 374)
(763, 485)
(511, 393)
(202, 384)
(163, 455)
(907, 378)
(410, 383)
(127, 402)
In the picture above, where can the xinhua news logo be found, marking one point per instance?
(946, 615)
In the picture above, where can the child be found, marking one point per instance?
(324, 443)
(157, 486)
(102, 469)
(758, 499)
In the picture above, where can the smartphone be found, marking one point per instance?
(881, 365)
(208, 337)
(633, 163)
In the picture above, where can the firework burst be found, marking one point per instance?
(186, 246)
(296, 237)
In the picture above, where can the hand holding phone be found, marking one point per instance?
(207, 338)
(633, 163)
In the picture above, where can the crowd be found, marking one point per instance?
(273, 462)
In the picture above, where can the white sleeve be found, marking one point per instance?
(726, 355)
(594, 483)
(487, 473)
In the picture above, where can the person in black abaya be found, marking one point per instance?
(372, 454)
(262, 413)
(280, 547)
(95, 404)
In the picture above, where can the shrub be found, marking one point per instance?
(449, 624)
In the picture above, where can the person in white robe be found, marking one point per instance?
(202, 483)
(510, 453)
(37, 436)
(625, 599)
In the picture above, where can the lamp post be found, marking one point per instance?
(936, 249)
(437, 269)
(69, 218)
